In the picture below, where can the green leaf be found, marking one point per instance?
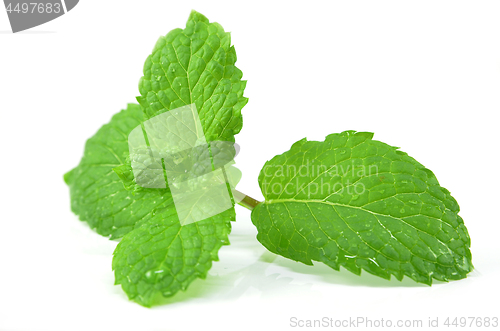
(162, 257)
(359, 203)
(157, 255)
(196, 65)
(193, 66)
(98, 196)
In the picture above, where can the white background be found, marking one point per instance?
(422, 75)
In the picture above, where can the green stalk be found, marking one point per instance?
(244, 200)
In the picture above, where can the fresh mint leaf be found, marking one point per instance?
(98, 196)
(190, 66)
(193, 66)
(147, 218)
(196, 66)
(162, 257)
(359, 203)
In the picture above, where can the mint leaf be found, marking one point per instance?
(190, 66)
(193, 66)
(98, 195)
(162, 257)
(359, 203)
(196, 65)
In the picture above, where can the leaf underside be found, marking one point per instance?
(362, 205)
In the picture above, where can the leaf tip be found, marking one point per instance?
(197, 17)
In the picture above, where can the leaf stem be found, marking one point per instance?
(244, 200)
